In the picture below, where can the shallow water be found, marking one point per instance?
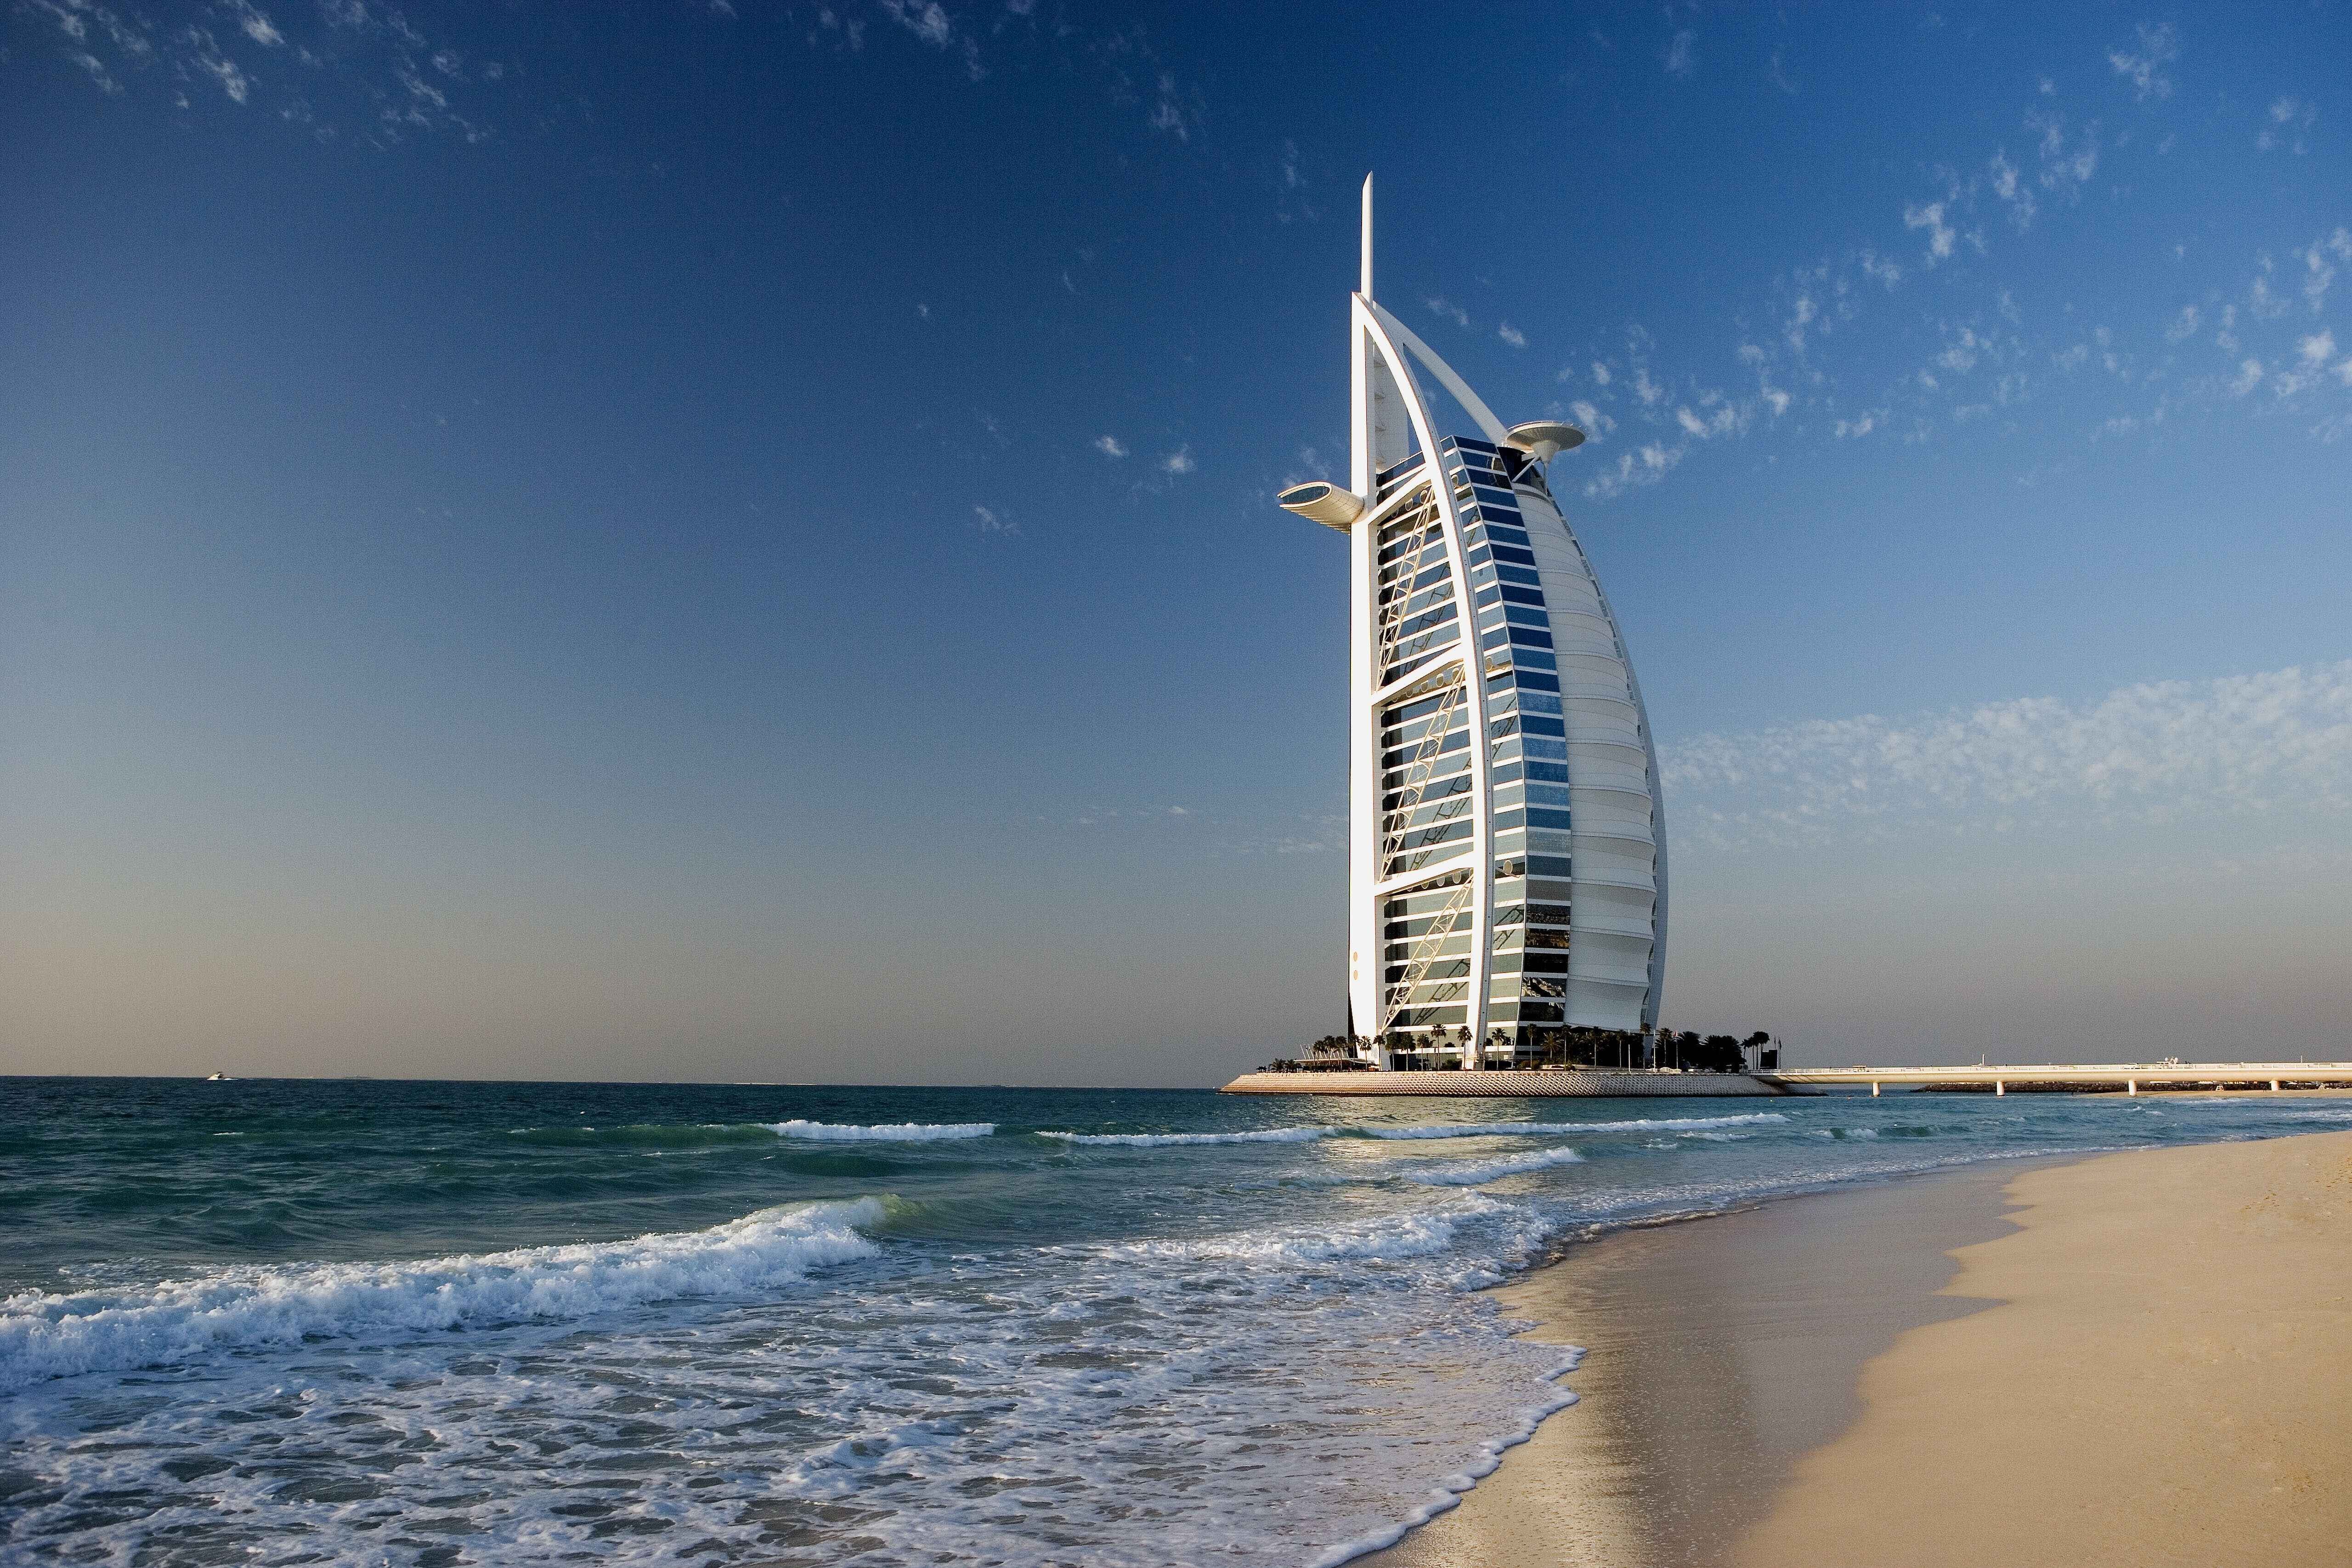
(279, 1322)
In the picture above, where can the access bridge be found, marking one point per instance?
(2062, 1078)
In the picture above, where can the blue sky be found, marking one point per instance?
(733, 541)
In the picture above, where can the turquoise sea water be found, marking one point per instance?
(292, 1321)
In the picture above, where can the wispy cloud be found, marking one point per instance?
(1439, 305)
(1111, 446)
(2154, 753)
(2144, 67)
(988, 521)
(2291, 120)
(1680, 51)
(1179, 461)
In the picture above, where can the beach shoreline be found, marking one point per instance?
(1859, 1376)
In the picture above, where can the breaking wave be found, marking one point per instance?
(44, 1335)
(1477, 1172)
(1313, 1132)
(886, 1133)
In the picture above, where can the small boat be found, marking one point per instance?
(218, 1077)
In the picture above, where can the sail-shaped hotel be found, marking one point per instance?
(1507, 871)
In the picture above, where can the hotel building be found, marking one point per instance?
(1507, 872)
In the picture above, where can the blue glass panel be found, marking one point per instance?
(1539, 817)
(1518, 595)
(1509, 534)
(1536, 680)
(1519, 557)
(1528, 637)
(1503, 819)
(1517, 574)
(1538, 724)
(1490, 594)
(1526, 616)
(1550, 770)
(1533, 659)
(1493, 639)
(1548, 865)
(1537, 746)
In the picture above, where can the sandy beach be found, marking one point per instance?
(2139, 1357)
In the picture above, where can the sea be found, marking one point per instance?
(291, 1321)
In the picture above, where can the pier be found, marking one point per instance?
(2051, 1078)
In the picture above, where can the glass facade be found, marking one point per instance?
(1506, 874)
(1482, 559)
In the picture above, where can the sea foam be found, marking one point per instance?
(1163, 1140)
(1477, 1172)
(44, 1335)
(886, 1133)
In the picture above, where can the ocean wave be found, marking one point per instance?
(1413, 1233)
(1477, 1172)
(1449, 1493)
(44, 1336)
(1160, 1140)
(689, 1135)
(886, 1133)
(1311, 1133)
(1563, 1128)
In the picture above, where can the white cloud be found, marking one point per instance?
(1678, 53)
(1884, 272)
(1646, 465)
(1448, 309)
(1800, 316)
(990, 523)
(2319, 348)
(2145, 71)
(1111, 446)
(1862, 425)
(257, 26)
(98, 72)
(1601, 372)
(929, 21)
(2012, 190)
(219, 66)
(2291, 120)
(2063, 170)
(1179, 461)
(2319, 271)
(1591, 420)
(1780, 75)
(1931, 218)
(2249, 377)
(2149, 752)
(2183, 325)
(1511, 335)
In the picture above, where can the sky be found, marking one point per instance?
(734, 541)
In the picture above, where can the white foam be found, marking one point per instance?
(44, 1335)
(1449, 1493)
(1563, 1128)
(1159, 1140)
(1477, 1172)
(886, 1133)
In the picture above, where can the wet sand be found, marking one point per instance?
(1720, 1352)
(2156, 1368)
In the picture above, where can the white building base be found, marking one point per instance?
(1588, 1083)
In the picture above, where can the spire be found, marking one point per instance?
(1366, 290)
